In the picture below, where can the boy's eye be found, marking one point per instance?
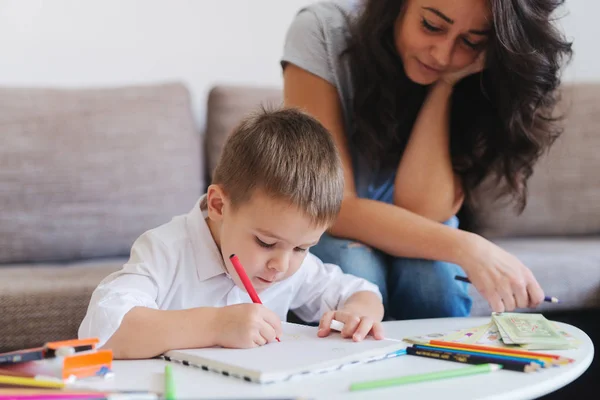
(300, 249)
(263, 244)
(429, 27)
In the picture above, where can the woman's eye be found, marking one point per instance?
(300, 249)
(474, 46)
(429, 27)
(263, 244)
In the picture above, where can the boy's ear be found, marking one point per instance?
(216, 201)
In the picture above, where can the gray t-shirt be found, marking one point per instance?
(315, 41)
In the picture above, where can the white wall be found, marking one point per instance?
(580, 24)
(112, 42)
(203, 42)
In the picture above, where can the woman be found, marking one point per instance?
(425, 99)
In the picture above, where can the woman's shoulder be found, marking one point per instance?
(328, 17)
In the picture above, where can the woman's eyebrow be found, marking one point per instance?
(451, 21)
(439, 14)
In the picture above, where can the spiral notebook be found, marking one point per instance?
(300, 353)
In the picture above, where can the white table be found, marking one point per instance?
(194, 383)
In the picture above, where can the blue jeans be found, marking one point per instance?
(411, 288)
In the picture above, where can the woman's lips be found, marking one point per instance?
(429, 68)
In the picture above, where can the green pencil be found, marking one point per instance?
(402, 380)
(169, 384)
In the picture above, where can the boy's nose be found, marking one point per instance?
(279, 263)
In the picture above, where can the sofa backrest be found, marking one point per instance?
(564, 191)
(227, 105)
(83, 172)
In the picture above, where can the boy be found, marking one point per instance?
(277, 187)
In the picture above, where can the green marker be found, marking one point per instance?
(169, 384)
(471, 370)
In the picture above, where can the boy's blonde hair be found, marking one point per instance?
(288, 155)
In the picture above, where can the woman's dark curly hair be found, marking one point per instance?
(502, 119)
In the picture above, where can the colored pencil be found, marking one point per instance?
(547, 360)
(245, 280)
(547, 299)
(402, 380)
(169, 384)
(505, 350)
(30, 382)
(520, 366)
(499, 357)
(73, 394)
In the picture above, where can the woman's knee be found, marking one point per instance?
(427, 289)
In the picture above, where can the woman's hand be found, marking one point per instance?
(500, 277)
(452, 78)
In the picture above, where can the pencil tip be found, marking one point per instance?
(231, 256)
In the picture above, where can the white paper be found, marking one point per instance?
(300, 352)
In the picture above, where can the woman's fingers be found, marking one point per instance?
(535, 292)
(521, 296)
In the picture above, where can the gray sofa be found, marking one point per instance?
(83, 172)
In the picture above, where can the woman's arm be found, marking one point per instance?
(501, 278)
(387, 227)
(425, 181)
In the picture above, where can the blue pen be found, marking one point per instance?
(495, 356)
(401, 352)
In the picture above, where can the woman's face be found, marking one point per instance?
(434, 37)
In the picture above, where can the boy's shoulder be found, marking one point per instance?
(170, 234)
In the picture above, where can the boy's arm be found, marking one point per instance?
(124, 309)
(364, 304)
(324, 287)
(146, 332)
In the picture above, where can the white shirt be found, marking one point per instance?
(178, 266)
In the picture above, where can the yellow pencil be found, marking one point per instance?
(30, 382)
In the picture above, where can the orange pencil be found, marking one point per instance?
(498, 349)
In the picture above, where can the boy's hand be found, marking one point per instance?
(355, 326)
(246, 325)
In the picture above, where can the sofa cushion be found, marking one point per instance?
(566, 268)
(46, 302)
(227, 105)
(564, 191)
(83, 172)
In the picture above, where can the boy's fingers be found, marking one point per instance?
(363, 329)
(324, 329)
(350, 324)
(268, 333)
(273, 319)
(260, 340)
(377, 331)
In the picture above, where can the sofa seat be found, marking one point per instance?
(46, 302)
(566, 268)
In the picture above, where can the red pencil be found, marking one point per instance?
(246, 281)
